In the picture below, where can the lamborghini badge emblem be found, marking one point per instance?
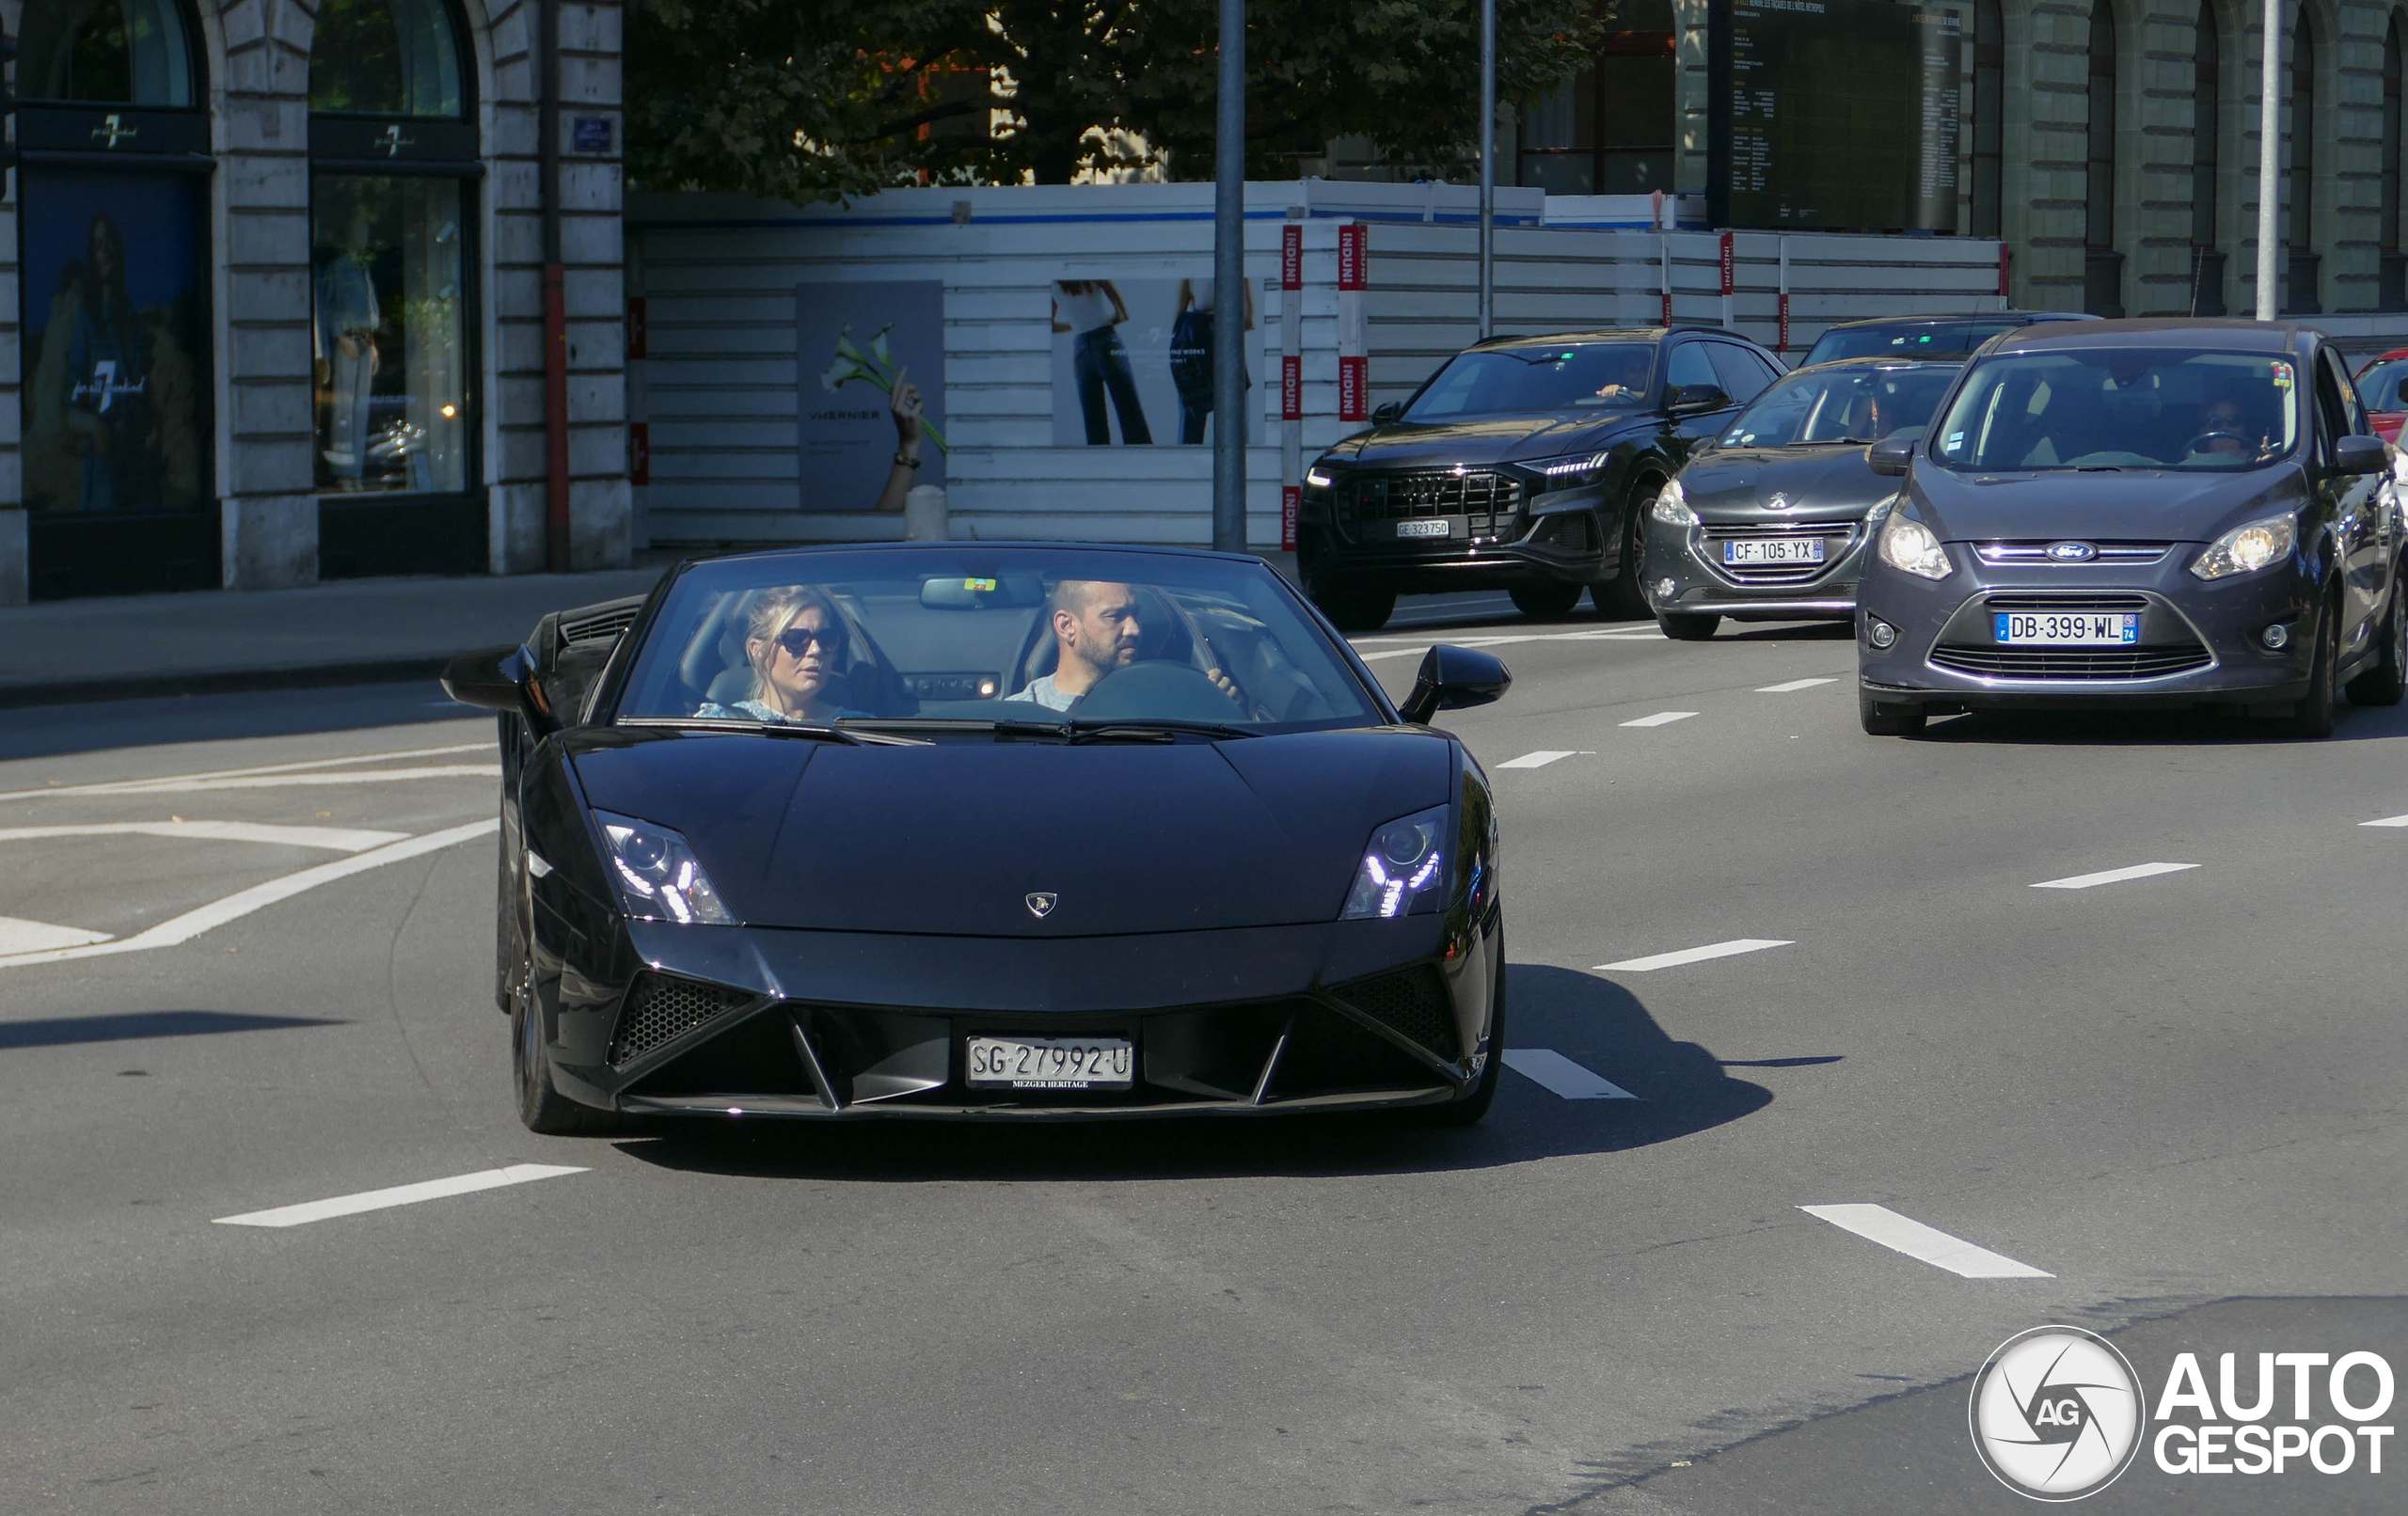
(1040, 903)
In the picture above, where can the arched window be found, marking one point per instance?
(2392, 288)
(2102, 265)
(2299, 225)
(1609, 131)
(106, 52)
(1989, 117)
(392, 212)
(2207, 163)
(386, 58)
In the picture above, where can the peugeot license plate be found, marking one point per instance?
(2064, 628)
(1051, 1063)
(1773, 550)
(1426, 527)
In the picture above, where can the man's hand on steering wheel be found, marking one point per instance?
(1226, 685)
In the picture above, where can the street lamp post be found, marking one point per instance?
(1487, 168)
(2270, 153)
(1229, 288)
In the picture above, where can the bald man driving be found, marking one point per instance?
(1095, 632)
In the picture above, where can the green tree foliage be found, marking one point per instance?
(807, 99)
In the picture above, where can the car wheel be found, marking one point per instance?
(2387, 681)
(1357, 608)
(2312, 718)
(1545, 602)
(541, 1107)
(1686, 628)
(1468, 1109)
(1620, 596)
(1890, 719)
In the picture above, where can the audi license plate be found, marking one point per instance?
(1051, 1063)
(1426, 527)
(2078, 628)
(1773, 550)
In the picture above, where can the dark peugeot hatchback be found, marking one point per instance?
(1525, 465)
(2138, 513)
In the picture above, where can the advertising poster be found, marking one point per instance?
(1132, 361)
(116, 399)
(850, 343)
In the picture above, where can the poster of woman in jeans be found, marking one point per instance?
(1141, 351)
(1091, 311)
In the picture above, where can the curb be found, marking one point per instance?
(223, 681)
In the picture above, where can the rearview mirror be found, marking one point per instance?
(1892, 455)
(2361, 455)
(1386, 415)
(1695, 400)
(957, 592)
(1453, 678)
(498, 679)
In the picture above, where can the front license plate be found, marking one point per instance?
(1051, 1063)
(2078, 629)
(1427, 527)
(1773, 550)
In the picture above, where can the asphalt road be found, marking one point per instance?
(2168, 1106)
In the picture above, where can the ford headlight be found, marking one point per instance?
(1403, 872)
(1671, 506)
(660, 878)
(1908, 544)
(2247, 548)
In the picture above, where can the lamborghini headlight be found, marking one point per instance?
(660, 878)
(1403, 872)
(1671, 506)
(2247, 548)
(1908, 544)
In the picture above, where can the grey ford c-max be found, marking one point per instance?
(2138, 513)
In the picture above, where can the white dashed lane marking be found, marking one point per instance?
(1541, 758)
(400, 1194)
(2387, 821)
(18, 936)
(333, 839)
(2137, 871)
(1792, 686)
(215, 779)
(1661, 718)
(1558, 1074)
(1696, 955)
(1903, 1234)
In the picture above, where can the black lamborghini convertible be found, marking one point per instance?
(970, 831)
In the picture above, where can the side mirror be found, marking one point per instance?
(499, 679)
(2361, 455)
(1695, 400)
(1892, 456)
(1453, 678)
(1386, 415)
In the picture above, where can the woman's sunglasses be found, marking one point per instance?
(796, 639)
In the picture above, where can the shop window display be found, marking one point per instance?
(390, 334)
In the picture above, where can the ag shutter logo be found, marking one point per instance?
(2057, 1413)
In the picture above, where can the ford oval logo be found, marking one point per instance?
(2071, 552)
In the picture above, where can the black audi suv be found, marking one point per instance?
(2138, 513)
(1525, 465)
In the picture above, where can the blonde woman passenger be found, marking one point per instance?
(796, 644)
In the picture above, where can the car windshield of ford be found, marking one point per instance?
(2121, 407)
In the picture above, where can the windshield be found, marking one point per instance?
(2121, 407)
(1496, 381)
(1953, 338)
(1827, 406)
(968, 638)
(2378, 387)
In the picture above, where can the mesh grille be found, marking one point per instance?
(1412, 1001)
(2066, 604)
(2073, 663)
(658, 1010)
(1488, 500)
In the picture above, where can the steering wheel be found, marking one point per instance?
(2199, 443)
(1158, 688)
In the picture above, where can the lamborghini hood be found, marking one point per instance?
(956, 837)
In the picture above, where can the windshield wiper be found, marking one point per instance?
(774, 729)
(1156, 730)
(895, 728)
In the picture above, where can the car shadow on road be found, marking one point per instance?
(2188, 727)
(1681, 1089)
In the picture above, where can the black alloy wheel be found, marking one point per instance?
(542, 1108)
(1545, 602)
(1620, 597)
(1890, 719)
(1686, 627)
(1468, 1110)
(2313, 717)
(2387, 681)
(1356, 608)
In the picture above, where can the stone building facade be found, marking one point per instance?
(2113, 145)
(272, 292)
